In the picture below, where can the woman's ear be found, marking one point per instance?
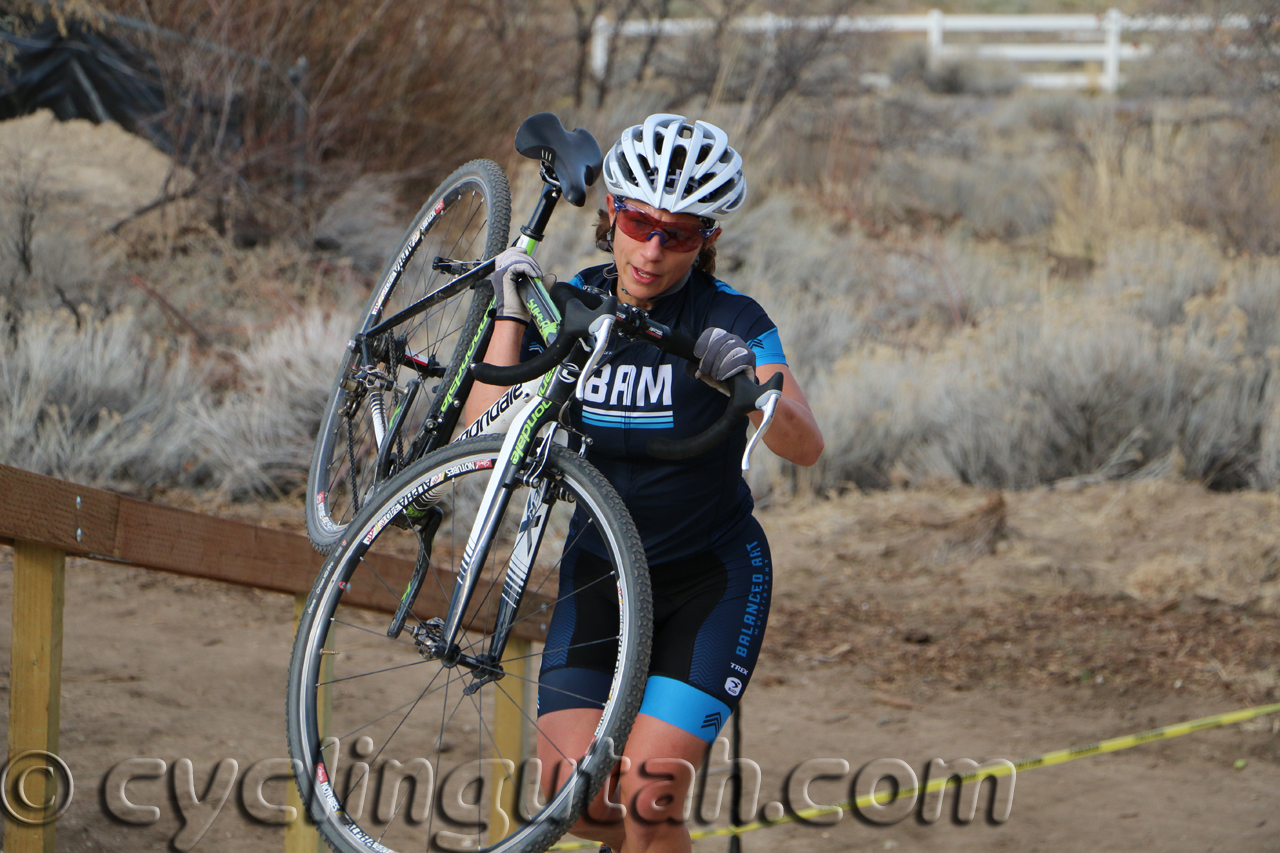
(610, 208)
(711, 241)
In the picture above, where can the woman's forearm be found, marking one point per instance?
(794, 433)
(504, 350)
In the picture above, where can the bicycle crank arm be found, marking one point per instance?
(768, 403)
(453, 267)
(426, 530)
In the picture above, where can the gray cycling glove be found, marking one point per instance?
(722, 355)
(507, 302)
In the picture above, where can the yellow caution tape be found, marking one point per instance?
(1060, 756)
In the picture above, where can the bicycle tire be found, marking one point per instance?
(379, 687)
(467, 218)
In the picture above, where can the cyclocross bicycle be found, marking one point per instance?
(412, 702)
(402, 383)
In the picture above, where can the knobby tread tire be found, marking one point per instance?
(608, 510)
(322, 528)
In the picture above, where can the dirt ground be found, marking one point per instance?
(936, 622)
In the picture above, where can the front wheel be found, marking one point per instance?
(392, 384)
(396, 749)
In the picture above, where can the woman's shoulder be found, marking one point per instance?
(720, 299)
(720, 292)
(591, 276)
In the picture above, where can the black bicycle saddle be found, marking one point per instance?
(575, 158)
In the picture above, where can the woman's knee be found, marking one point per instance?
(657, 791)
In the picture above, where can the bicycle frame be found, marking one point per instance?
(543, 409)
(515, 467)
(448, 408)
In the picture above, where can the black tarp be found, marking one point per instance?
(84, 73)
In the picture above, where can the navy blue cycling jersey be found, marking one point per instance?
(680, 507)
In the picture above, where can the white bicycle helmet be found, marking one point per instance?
(678, 167)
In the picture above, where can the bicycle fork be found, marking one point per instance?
(440, 642)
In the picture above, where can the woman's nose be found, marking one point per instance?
(653, 247)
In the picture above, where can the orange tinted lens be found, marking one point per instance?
(641, 226)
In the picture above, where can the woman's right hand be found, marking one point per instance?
(507, 266)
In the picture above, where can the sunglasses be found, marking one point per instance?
(638, 225)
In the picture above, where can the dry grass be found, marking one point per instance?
(408, 88)
(1003, 291)
(256, 439)
(101, 404)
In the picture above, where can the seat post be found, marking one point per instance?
(542, 213)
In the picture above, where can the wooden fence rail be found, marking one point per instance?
(46, 519)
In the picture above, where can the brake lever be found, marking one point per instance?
(600, 330)
(767, 403)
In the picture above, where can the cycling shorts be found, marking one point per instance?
(710, 611)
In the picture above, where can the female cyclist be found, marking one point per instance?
(670, 183)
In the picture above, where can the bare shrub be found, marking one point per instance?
(1267, 475)
(364, 223)
(1244, 60)
(996, 198)
(257, 439)
(757, 72)
(961, 76)
(1255, 289)
(1068, 389)
(414, 89)
(1235, 193)
(973, 77)
(98, 403)
(909, 61)
(1174, 72)
(1055, 112)
(1157, 271)
(861, 407)
(1042, 392)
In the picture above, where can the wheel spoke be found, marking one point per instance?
(449, 711)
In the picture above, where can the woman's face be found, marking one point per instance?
(647, 270)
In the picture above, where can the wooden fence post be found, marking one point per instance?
(511, 709)
(301, 836)
(35, 704)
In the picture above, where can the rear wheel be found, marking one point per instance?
(414, 761)
(394, 395)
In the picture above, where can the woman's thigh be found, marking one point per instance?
(707, 639)
(563, 736)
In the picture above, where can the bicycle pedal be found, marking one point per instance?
(426, 528)
(427, 637)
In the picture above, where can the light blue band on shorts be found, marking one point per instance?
(684, 707)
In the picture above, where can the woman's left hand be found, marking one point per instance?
(722, 355)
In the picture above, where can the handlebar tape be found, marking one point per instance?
(742, 400)
(580, 310)
(575, 325)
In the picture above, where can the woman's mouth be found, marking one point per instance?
(643, 277)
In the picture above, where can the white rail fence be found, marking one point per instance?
(1081, 38)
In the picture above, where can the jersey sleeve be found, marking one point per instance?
(742, 315)
(531, 345)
